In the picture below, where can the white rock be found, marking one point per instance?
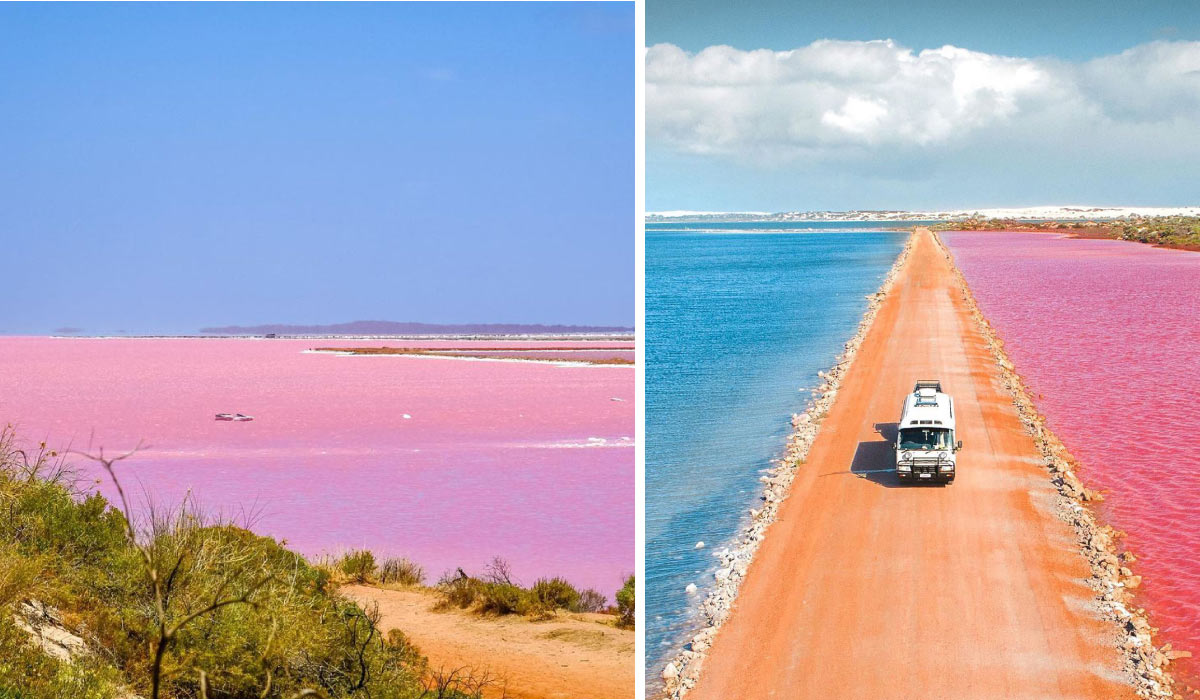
(670, 673)
(699, 545)
(691, 589)
(45, 626)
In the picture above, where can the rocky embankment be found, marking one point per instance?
(1112, 578)
(682, 672)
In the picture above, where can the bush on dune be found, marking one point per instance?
(556, 593)
(459, 590)
(508, 599)
(487, 595)
(496, 593)
(359, 565)
(401, 572)
(626, 604)
(592, 601)
(182, 606)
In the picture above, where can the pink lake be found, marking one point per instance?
(1107, 334)
(446, 461)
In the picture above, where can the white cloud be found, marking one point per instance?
(835, 99)
(1152, 82)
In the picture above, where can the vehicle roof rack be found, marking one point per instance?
(927, 392)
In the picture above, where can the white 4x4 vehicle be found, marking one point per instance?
(925, 444)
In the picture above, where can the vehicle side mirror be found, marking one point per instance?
(958, 446)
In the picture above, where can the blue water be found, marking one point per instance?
(739, 320)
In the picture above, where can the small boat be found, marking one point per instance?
(234, 417)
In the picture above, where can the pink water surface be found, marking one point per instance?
(1107, 334)
(529, 461)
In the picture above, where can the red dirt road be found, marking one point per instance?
(867, 589)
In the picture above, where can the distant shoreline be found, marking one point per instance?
(476, 354)
(476, 358)
(384, 328)
(581, 337)
(1031, 214)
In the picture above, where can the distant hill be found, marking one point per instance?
(412, 328)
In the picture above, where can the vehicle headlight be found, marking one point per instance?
(948, 467)
(903, 467)
(944, 455)
(906, 456)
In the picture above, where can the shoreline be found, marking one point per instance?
(559, 363)
(568, 337)
(1098, 232)
(682, 672)
(1112, 576)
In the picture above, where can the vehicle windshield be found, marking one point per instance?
(925, 439)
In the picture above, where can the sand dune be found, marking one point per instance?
(572, 656)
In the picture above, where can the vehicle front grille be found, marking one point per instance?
(928, 466)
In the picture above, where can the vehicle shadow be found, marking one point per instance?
(875, 460)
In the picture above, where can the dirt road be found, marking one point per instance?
(569, 657)
(868, 589)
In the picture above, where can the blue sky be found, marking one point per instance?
(173, 166)
(806, 107)
(1073, 29)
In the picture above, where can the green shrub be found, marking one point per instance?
(507, 599)
(358, 564)
(556, 594)
(324, 577)
(401, 571)
(28, 672)
(496, 594)
(459, 590)
(279, 631)
(1161, 230)
(626, 604)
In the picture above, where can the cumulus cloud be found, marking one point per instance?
(1154, 82)
(846, 98)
